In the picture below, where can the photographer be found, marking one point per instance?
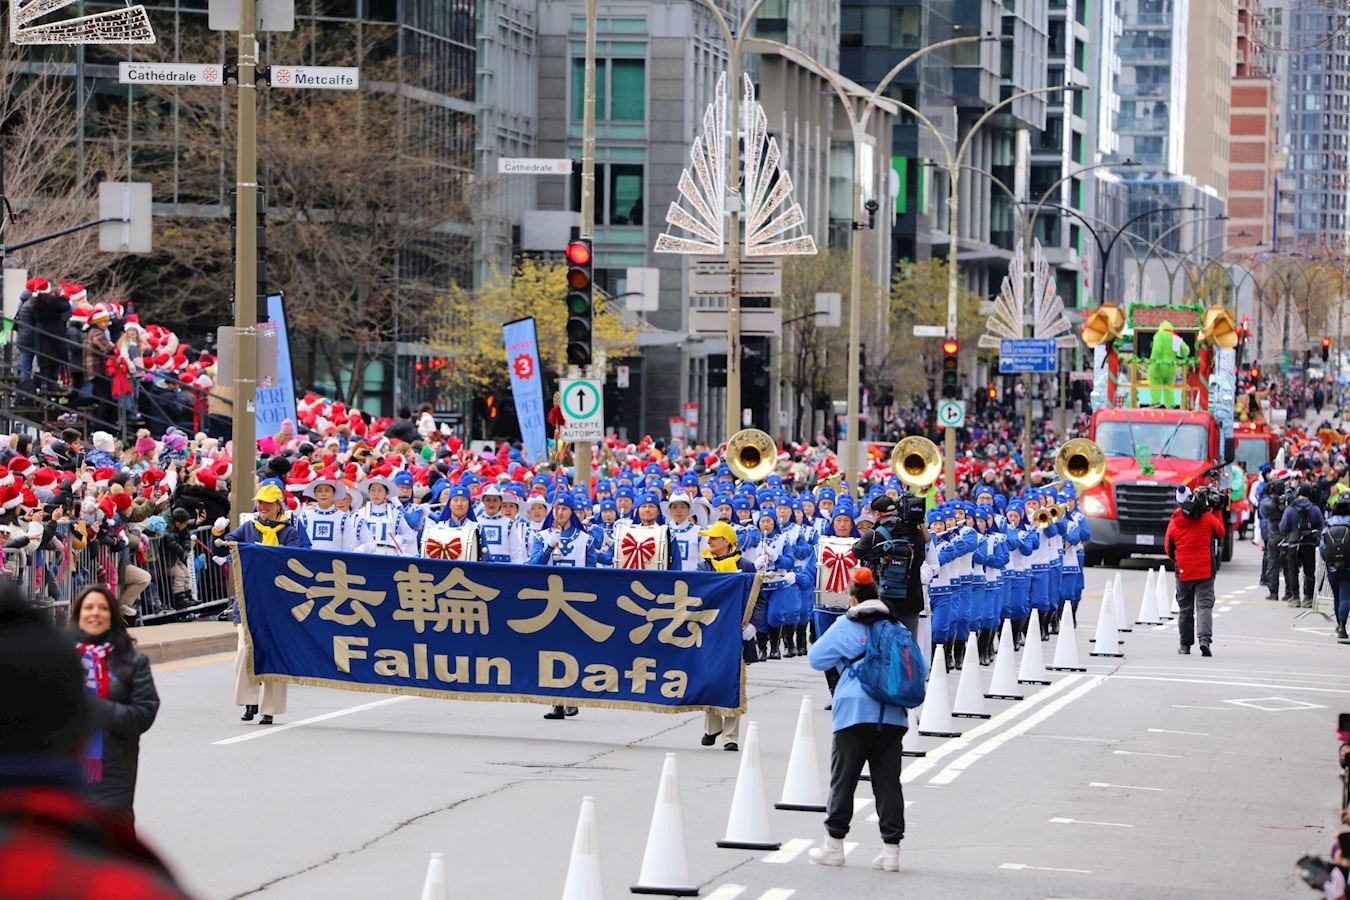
(1270, 507)
(1189, 543)
(1301, 525)
(894, 551)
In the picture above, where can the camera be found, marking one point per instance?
(1204, 499)
(910, 509)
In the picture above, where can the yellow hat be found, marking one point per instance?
(721, 530)
(270, 493)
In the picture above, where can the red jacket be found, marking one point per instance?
(1188, 543)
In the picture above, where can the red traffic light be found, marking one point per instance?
(1326, 343)
(1256, 373)
(951, 347)
(993, 391)
(578, 253)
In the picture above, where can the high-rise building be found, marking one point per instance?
(1253, 135)
(1210, 46)
(1311, 59)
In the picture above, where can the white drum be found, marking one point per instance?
(641, 546)
(449, 543)
(834, 572)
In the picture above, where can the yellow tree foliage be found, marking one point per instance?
(468, 323)
(919, 297)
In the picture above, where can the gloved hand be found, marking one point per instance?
(790, 578)
(551, 539)
(748, 633)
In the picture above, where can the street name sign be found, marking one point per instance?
(583, 408)
(1017, 355)
(754, 321)
(951, 413)
(528, 165)
(930, 331)
(710, 277)
(330, 78)
(187, 74)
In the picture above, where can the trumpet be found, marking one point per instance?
(751, 454)
(1048, 515)
(916, 461)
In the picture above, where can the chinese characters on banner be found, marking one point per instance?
(663, 641)
(527, 386)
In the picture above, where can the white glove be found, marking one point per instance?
(748, 633)
(790, 578)
(551, 539)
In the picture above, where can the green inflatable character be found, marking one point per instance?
(1166, 352)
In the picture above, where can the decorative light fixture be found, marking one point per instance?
(130, 25)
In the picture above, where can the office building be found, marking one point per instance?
(1253, 135)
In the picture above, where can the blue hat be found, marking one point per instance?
(826, 494)
(934, 515)
(721, 500)
(403, 479)
(608, 503)
(774, 481)
(647, 497)
(740, 502)
(625, 491)
(690, 479)
(724, 471)
(984, 511)
(459, 490)
(571, 501)
(436, 489)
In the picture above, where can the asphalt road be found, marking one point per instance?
(1151, 776)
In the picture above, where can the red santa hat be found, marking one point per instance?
(38, 285)
(20, 465)
(11, 497)
(79, 316)
(207, 478)
(75, 293)
(6, 479)
(122, 500)
(223, 467)
(44, 479)
(103, 476)
(107, 506)
(29, 499)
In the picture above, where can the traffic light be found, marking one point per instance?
(1326, 349)
(1256, 373)
(951, 388)
(993, 391)
(579, 303)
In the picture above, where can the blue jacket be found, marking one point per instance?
(1290, 519)
(290, 536)
(842, 642)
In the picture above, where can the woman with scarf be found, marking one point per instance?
(122, 695)
(722, 555)
(272, 528)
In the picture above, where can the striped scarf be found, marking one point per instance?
(95, 660)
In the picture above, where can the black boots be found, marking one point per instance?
(789, 642)
(762, 644)
(775, 635)
(1340, 629)
(955, 650)
(1052, 621)
(249, 712)
(985, 641)
(1020, 633)
(801, 640)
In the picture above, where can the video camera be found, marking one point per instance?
(1206, 497)
(911, 509)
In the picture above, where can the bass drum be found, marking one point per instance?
(451, 544)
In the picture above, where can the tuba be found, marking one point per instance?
(751, 454)
(1082, 462)
(916, 461)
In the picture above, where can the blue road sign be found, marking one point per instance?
(1027, 355)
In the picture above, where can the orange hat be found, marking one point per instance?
(862, 575)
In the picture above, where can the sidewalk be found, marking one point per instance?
(180, 640)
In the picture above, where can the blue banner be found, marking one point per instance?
(277, 402)
(660, 641)
(527, 386)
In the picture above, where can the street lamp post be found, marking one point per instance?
(243, 415)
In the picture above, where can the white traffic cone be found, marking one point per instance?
(1160, 603)
(1032, 670)
(1118, 611)
(665, 867)
(803, 789)
(1148, 607)
(1108, 595)
(1107, 644)
(748, 824)
(969, 701)
(1066, 646)
(584, 881)
(436, 886)
(1118, 586)
(936, 718)
(1003, 686)
(1173, 608)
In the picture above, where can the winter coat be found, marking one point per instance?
(97, 350)
(194, 497)
(1289, 521)
(843, 642)
(1188, 544)
(867, 551)
(124, 716)
(25, 326)
(402, 430)
(49, 314)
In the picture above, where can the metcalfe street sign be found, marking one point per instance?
(322, 78)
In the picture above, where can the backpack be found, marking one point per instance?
(1335, 546)
(892, 570)
(1303, 534)
(892, 670)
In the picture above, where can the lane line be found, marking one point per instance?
(1023, 867)
(1216, 708)
(727, 892)
(188, 663)
(952, 745)
(956, 767)
(261, 731)
(1123, 787)
(1061, 821)
(777, 894)
(1141, 753)
(790, 850)
(1169, 731)
(1150, 670)
(1255, 684)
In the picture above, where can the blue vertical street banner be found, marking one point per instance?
(658, 641)
(277, 402)
(527, 386)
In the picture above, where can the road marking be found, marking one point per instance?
(876, 818)
(956, 767)
(260, 731)
(186, 663)
(1140, 753)
(1275, 704)
(727, 892)
(1023, 867)
(790, 850)
(952, 745)
(1215, 708)
(1169, 731)
(1123, 787)
(1275, 687)
(860, 803)
(1061, 821)
(777, 894)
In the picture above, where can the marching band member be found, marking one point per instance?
(803, 542)
(386, 531)
(964, 539)
(623, 500)
(744, 522)
(602, 532)
(458, 510)
(990, 558)
(536, 521)
(1022, 543)
(1077, 533)
(684, 532)
(772, 555)
(938, 573)
(413, 512)
(498, 536)
(1043, 559)
(565, 544)
(722, 555)
(326, 526)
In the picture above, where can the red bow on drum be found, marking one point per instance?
(450, 549)
(637, 552)
(838, 567)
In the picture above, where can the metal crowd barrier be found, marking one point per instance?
(207, 583)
